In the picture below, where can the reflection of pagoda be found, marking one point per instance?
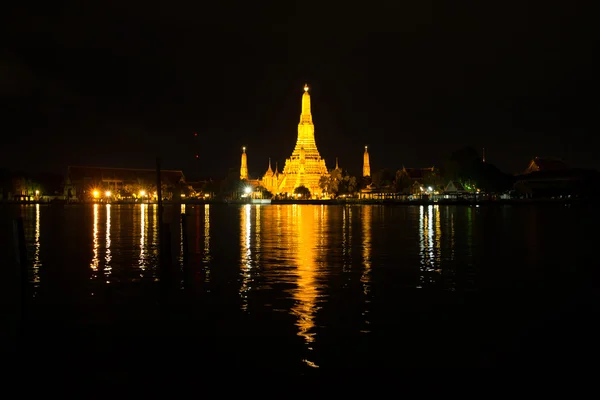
(305, 167)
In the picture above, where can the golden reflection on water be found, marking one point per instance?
(257, 233)
(155, 229)
(36, 254)
(108, 253)
(246, 253)
(367, 225)
(308, 225)
(96, 243)
(207, 256)
(438, 230)
(367, 216)
(143, 232)
(294, 236)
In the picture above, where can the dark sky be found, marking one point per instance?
(121, 83)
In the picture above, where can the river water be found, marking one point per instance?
(303, 289)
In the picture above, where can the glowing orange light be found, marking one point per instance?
(107, 193)
(96, 194)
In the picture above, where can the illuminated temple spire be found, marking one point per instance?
(244, 166)
(304, 167)
(269, 170)
(366, 163)
(306, 116)
(306, 131)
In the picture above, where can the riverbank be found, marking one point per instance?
(395, 202)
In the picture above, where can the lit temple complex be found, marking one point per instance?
(305, 167)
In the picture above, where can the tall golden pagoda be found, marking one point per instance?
(305, 167)
(244, 165)
(366, 163)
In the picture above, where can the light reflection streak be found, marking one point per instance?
(36, 255)
(367, 215)
(367, 225)
(438, 230)
(96, 244)
(347, 243)
(207, 256)
(429, 237)
(257, 235)
(181, 250)
(143, 224)
(306, 294)
(246, 253)
(108, 254)
(154, 245)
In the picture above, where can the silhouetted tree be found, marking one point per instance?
(264, 193)
(338, 182)
(232, 186)
(466, 166)
(402, 183)
(384, 177)
(303, 191)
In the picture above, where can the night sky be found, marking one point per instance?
(121, 83)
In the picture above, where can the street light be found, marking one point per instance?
(107, 194)
(248, 190)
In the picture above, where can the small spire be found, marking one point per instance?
(244, 149)
(276, 167)
(336, 163)
(483, 155)
(306, 87)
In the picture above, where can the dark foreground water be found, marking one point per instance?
(303, 289)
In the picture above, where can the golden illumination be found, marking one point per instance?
(96, 194)
(367, 224)
(246, 253)
(244, 165)
(143, 225)
(108, 252)
(154, 245)
(307, 292)
(306, 87)
(107, 193)
(366, 163)
(207, 256)
(142, 193)
(96, 244)
(36, 255)
(305, 167)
